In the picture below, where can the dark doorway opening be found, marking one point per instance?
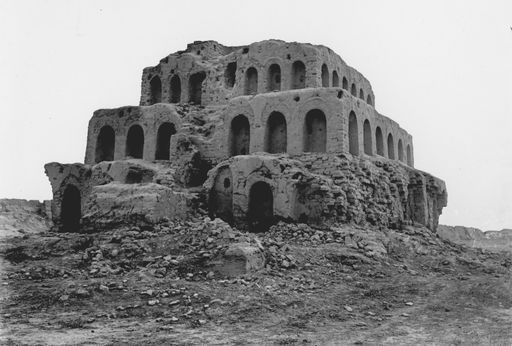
(71, 209)
(261, 207)
(163, 141)
(105, 144)
(135, 142)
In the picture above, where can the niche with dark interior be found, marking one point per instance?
(105, 144)
(251, 81)
(367, 138)
(315, 131)
(379, 141)
(156, 90)
(260, 215)
(276, 140)
(353, 134)
(163, 141)
(345, 83)
(135, 142)
(298, 75)
(230, 75)
(400, 151)
(240, 135)
(335, 79)
(353, 90)
(391, 147)
(274, 78)
(175, 96)
(71, 209)
(195, 87)
(220, 203)
(325, 76)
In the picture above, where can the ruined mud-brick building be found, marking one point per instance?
(253, 134)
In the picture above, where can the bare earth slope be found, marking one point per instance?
(162, 285)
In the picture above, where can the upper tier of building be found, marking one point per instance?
(209, 73)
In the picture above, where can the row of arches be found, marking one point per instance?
(276, 133)
(298, 80)
(195, 88)
(336, 83)
(314, 136)
(353, 134)
(134, 148)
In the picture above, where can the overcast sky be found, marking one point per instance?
(441, 69)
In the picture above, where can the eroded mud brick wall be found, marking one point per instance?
(322, 189)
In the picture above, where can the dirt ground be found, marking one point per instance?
(157, 286)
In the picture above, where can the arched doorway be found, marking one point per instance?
(367, 138)
(260, 215)
(135, 142)
(325, 76)
(221, 196)
(380, 141)
(105, 144)
(175, 96)
(315, 131)
(391, 147)
(240, 135)
(195, 87)
(274, 78)
(71, 209)
(163, 141)
(251, 81)
(156, 90)
(353, 134)
(298, 75)
(276, 133)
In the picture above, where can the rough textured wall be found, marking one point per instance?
(322, 189)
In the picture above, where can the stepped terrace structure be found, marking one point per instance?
(252, 134)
